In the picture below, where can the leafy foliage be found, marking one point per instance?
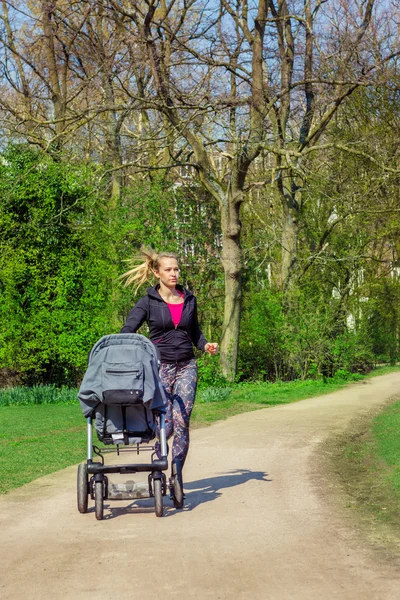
(56, 267)
(62, 250)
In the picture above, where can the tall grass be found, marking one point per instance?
(213, 394)
(38, 394)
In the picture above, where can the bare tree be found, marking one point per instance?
(38, 90)
(62, 89)
(237, 80)
(217, 88)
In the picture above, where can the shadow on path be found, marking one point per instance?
(196, 492)
(206, 490)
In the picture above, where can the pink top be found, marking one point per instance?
(176, 311)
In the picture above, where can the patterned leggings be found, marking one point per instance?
(180, 384)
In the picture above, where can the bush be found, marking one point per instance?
(209, 371)
(344, 375)
(56, 267)
(261, 351)
(62, 249)
(351, 353)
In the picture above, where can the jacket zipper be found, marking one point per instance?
(162, 316)
(183, 308)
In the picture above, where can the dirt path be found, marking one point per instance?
(258, 522)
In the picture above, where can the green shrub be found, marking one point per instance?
(209, 371)
(261, 348)
(344, 375)
(352, 353)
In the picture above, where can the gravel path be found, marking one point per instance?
(258, 523)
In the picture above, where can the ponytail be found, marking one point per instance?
(140, 273)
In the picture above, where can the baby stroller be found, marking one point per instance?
(122, 393)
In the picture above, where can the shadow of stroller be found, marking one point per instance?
(140, 506)
(196, 492)
(206, 490)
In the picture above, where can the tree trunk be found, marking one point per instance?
(290, 231)
(231, 261)
(55, 87)
(112, 139)
(112, 149)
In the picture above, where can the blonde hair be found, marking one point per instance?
(140, 273)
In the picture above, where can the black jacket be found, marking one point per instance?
(174, 344)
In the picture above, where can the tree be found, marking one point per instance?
(240, 94)
(236, 80)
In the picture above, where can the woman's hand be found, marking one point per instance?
(211, 348)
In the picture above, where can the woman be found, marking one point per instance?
(171, 313)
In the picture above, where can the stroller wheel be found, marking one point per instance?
(98, 499)
(158, 497)
(82, 488)
(177, 485)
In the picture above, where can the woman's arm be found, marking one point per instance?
(198, 338)
(196, 334)
(137, 316)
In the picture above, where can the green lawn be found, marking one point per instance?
(386, 432)
(39, 439)
(252, 396)
(367, 461)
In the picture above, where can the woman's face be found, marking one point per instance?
(167, 272)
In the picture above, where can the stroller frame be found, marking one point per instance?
(97, 486)
(92, 480)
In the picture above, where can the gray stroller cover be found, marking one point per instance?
(122, 388)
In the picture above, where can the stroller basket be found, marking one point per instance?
(125, 424)
(122, 395)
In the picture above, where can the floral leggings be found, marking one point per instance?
(180, 384)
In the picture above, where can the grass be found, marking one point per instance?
(37, 440)
(45, 432)
(367, 463)
(246, 397)
(386, 428)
